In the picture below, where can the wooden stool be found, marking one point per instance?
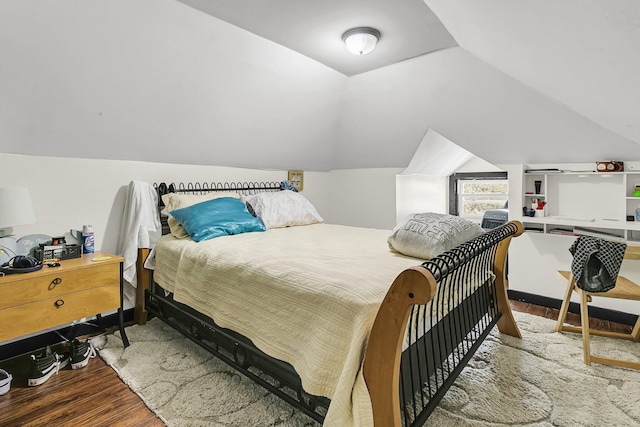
(624, 289)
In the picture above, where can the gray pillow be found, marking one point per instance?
(426, 235)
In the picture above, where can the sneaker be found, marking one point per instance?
(81, 352)
(5, 381)
(45, 365)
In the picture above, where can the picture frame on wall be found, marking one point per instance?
(297, 179)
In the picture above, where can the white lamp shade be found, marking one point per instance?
(15, 207)
(361, 41)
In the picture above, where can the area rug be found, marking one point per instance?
(537, 381)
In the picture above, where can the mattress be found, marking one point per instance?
(307, 295)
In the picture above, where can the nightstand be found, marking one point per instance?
(52, 296)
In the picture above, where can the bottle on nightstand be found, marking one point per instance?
(87, 239)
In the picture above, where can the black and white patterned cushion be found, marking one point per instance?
(596, 263)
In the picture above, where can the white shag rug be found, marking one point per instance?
(537, 381)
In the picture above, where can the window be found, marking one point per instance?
(471, 194)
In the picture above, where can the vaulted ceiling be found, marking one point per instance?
(269, 85)
(408, 28)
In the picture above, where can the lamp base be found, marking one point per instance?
(8, 248)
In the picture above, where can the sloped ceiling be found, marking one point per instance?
(563, 70)
(584, 54)
(159, 80)
(314, 29)
(469, 102)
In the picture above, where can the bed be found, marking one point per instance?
(328, 317)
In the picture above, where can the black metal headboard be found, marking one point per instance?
(207, 187)
(245, 188)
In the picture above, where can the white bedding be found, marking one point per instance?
(307, 295)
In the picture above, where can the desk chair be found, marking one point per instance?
(624, 289)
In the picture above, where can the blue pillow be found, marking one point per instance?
(215, 218)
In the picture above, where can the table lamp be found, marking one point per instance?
(15, 209)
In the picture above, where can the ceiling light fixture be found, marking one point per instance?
(361, 40)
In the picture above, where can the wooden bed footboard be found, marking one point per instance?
(416, 351)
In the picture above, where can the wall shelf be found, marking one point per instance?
(588, 199)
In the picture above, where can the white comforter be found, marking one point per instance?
(307, 295)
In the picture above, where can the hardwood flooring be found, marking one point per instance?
(90, 396)
(95, 395)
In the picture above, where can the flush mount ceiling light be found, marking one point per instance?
(361, 40)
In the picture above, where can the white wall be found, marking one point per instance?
(363, 197)
(421, 193)
(67, 193)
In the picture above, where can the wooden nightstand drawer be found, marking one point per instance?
(78, 288)
(32, 288)
(23, 319)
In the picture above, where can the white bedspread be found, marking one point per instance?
(307, 295)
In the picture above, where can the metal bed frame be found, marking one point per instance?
(405, 385)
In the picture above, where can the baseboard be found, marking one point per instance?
(596, 312)
(37, 342)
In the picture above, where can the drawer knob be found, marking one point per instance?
(59, 303)
(55, 282)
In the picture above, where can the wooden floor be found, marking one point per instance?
(90, 396)
(95, 395)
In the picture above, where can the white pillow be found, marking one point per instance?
(284, 208)
(427, 235)
(173, 201)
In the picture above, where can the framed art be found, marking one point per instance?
(296, 178)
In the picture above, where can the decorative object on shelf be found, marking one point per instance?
(537, 205)
(538, 185)
(610, 166)
(636, 192)
(361, 40)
